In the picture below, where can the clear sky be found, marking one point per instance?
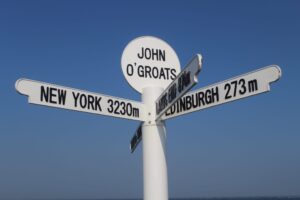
(245, 148)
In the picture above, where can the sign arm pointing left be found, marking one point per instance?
(74, 99)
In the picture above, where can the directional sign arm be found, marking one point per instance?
(73, 99)
(239, 87)
(183, 82)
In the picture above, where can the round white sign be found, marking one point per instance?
(149, 62)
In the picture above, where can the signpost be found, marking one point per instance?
(152, 68)
(149, 65)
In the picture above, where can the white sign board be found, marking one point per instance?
(183, 83)
(239, 87)
(149, 62)
(73, 99)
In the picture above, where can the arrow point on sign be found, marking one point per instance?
(198, 61)
(275, 73)
(20, 86)
(199, 56)
(272, 73)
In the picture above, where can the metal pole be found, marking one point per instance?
(154, 150)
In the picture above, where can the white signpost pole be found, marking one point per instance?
(154, 150)
(149, 65)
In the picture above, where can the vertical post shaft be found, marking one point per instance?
(154, 150)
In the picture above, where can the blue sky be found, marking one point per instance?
(245, 148)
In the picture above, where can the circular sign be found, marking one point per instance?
(149, 62)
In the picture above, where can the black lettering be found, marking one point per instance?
(182, 104)
(162, 55)
(75, 98)
(148, 71)
(201, 99)
(177, 106)
(122, 110)
(147, 53)
(252, 85)
(234, 83)
(154, 53)
(173, 74)
(110, 108)
(171, 110)
(155, 72)
(97, 103)
(188, 102)
(83, 101)
(141, 72)
(129, 70)
(227, 87)
(117, 103)
(136, 112)
(62, 96)
(91, 102)
(172, 93)
(194, 100)
(215, 94)
(44, 94)
(243, 89)
(52, 95)
(180, 84)
(129, 109)
(167, 73)
(187, 79)
(162, 74)
(208, 96)
(168, 112)
(142, 55)
(183, 81)
(162, 103)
